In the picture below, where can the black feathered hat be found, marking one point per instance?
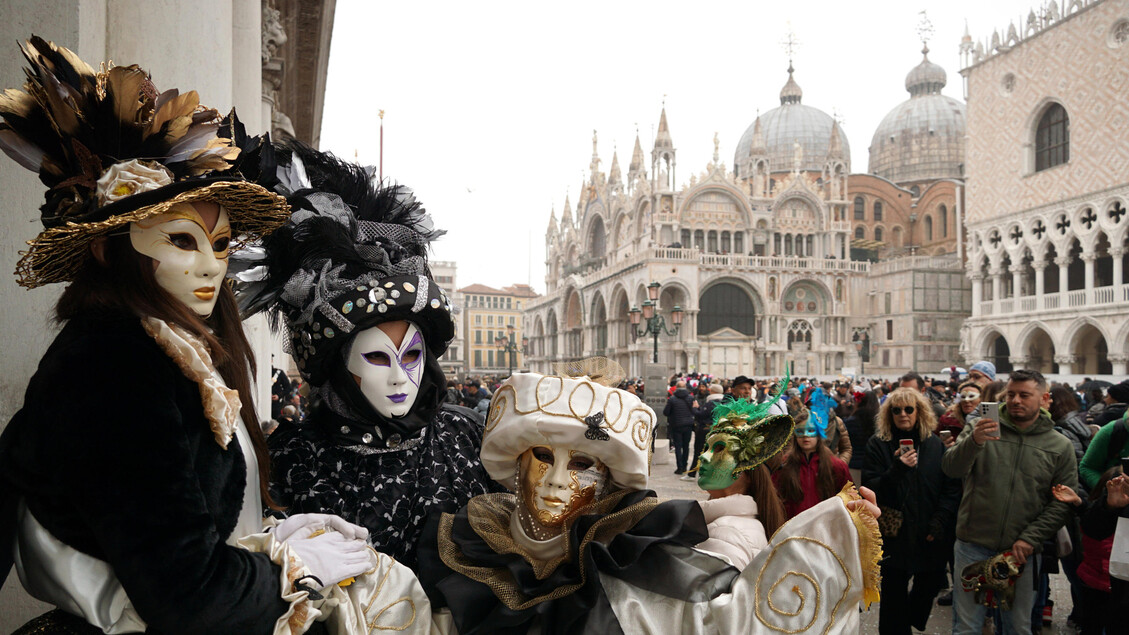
(353, 255)
(112, 150)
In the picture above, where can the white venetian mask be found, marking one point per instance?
(191, 259)
(556, 482)
(387, 362)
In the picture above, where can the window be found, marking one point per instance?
(685, 242)
(739, 243)
(726, 245)
(711, 242)
(490, 320)
(915, 191)
(489, 338)
(928, 228)
(878, 234)
(889, 330)
(490, 359)
(878, 211)
(860, 232)
(860, 208)
(478, 320)
(511, 320)
(943, 218)
(726, 305)
(478, 359)
(477, 336)
(509, 303)
(1052, 138)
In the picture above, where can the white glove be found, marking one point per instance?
(332, 557)
(300, 526)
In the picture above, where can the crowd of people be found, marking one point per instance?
(958, 484)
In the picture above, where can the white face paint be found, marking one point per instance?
(191, 260)
(388, 370)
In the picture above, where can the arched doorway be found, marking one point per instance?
(999, 353)
(1091, 352)
(1041, 352)
(726, 305)
(599, 324)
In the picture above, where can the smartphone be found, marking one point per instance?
(1125, 465)
(905, 445)
(991, 410)
(946, 435)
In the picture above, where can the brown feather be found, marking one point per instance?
(175, 108)
(124, 85)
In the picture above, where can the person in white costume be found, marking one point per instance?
(581, 546)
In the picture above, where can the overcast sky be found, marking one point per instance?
(490, 106)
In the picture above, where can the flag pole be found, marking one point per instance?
(381, 146)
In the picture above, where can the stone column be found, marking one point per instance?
(1089, 259)
(1120, 362)
(1040, 267)
(1063, 263)
(1066, 364)
(1016, 280)
(977, 292)
(1019, 361)
(1118, 275)
(997, 287)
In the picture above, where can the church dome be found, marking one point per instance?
(923, 137)
(775, 133)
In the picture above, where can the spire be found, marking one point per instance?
(757, 144)
(791, 93)
(552, 230)
(835, 145)
(636, 165)
(662, 139)
(566, 216)
(595, 164)
(614, 175)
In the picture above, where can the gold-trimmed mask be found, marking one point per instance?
(556, 482)
(190, 255)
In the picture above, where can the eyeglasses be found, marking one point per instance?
(969, 396)
(899, 410)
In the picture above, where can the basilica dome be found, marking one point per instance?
(775, 133)
(923, 137)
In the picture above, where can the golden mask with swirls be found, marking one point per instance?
(555, 483)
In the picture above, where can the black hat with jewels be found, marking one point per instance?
(353, 255)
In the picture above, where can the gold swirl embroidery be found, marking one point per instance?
(591, 400)
(641, 433)
(612, 417)
(796, 589)
(498, 406)
(372, 625)
(537, 392)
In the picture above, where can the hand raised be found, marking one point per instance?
(1064, 494)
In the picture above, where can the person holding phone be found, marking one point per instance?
(958, 414)
(919, 503)
(1008, 468)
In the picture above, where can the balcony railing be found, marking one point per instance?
(1069, 300)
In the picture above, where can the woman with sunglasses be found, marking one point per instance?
(811, 473)
(957, 414)
(919, 505)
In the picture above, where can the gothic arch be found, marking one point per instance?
(1070, 337)
(738, 199)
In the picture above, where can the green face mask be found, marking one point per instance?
(716, 464)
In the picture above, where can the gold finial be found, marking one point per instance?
(924, 30)
(381, 114)
(790, 44)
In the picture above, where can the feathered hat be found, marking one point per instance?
(353, 254)
(753, 435)
(113, 150)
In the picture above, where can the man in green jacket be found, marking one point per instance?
(1100, 456)
(1008, 471)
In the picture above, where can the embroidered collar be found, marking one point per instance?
(221, 404)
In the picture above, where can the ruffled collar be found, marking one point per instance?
(221, 404)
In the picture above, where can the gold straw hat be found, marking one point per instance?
(112, 151)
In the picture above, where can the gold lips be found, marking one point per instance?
(552, 501)
(205, 293)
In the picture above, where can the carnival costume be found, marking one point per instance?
(741, 438)
(352, 257)
(129, 496)
(582, 546)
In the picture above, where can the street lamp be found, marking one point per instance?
(862, 345)
(507, 344)
(655, 323)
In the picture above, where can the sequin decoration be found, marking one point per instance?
(361, 302)
(345, 429)
(376, 295)
(366, 437)
(435, 303)
(370, 307)
(394, 440)
(395, 294)
(329, 332)
(345, 308)
(382, 308)
(390, 302)
(389, 285)
(409, 287)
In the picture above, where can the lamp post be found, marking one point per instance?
(508, 344)
(862, 345)
(656, 324)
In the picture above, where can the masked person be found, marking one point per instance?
(127, 516)
(743, 508)
(581, 546)
(366, 322)
(811, 472)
